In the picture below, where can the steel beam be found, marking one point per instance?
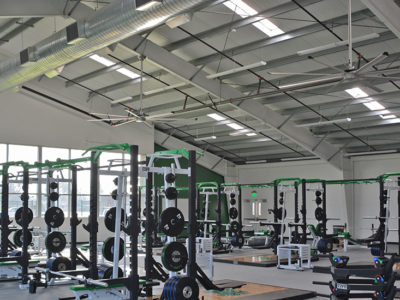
(180, 68)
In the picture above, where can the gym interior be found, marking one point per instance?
(199, 149)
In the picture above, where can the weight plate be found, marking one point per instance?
(109, 218)
(319, 228)
(54, 196)
(237, 240)
(318, 193)
(232, 201)
(296, 238)
(170, 178)
(18, 216)
(18, 237)
(58, 264)
(279, 213)
(281, 201)
(55, 242)
(172, 221)
(53, 185)
(281, 194)
(325, 245)
(235, 226)
(108, 249)
(232, 195)
(106, 271)
(171, 193)
(115, 180)
(318, 200)
(233, 213)
(114, 194)
(319, 214)
(24, 197)
(15, 253)
(54, 217)
(181, 288)
(174, 256)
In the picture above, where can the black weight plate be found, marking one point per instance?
(18, 216)
(108, 249)
(54, 196)
(281, 194)
(325, 245)
(18, 238)
(318, 200)
(172, 221)
(281, 201)
(279, 213)
(115, 180)
(233, 213)
(319, 214)
(109, 218)
(106, 271)
(237, 240)
(174, 256)
(58, 264)
(54, 217)
(232, 195)
(53, 185)
(55, 242)
(24, 197)
(235, 226)
(170, 178)
(232, 201)
(296, 238)
(181, 288)
(319, 228)
(318, 193)
(171, 193)
(114, 194)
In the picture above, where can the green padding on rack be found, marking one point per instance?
(387, 175)
(257, 186)
(207, 184)
(351, 181)
(183, 152)
(110, 147)
(85, 247)
(12, 263)
(82, 287)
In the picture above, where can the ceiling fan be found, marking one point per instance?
(134, 115)
(363, 73)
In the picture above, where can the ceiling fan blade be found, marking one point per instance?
(375, 61)
(133, 113)
(302, 74)
(102, 114)
(326, 65)
(388, 71)
(148, 124)
(112, 119)
(381, 77)
(159, 116)
(124, 123)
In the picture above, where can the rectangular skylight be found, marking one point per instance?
(128, 73)
(374, 105)
(357, 93)
(102, 60)
(235, 126)
(244, 10)
(216, 117)
(251, 134)
(386, 117)
(240, 132)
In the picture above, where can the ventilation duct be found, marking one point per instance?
(110, 25)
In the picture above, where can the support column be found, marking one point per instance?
(93, 224)
(191, 268)
(4, 215)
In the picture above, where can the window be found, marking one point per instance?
(83, 178)
(27, 154)
(3, 153)
(52, 154)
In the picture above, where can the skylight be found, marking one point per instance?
(374, 105)
(128, 73)
(235, 126)
(239, 132)
(356, 93)
(244, 10)
(102, 60)
(386, 117)
(216, 117)
(251, 134)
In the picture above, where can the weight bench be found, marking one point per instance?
(112, 292)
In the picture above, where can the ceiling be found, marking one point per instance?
(217, 39)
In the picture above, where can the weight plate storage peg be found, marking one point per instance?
(54, 217)
(53, 185)
(18, 238)
(108, 249)
(237, 240)
(109, 218)
(18, 216)
(233, 213)
(55, 242)
(235, 226)
(181, 288)
(58, 264)
(171, 193)
(106, 271)
(54, 196)
(174, 256)
(232, 201)
(319, 214)
(318, 200)
(172, 221)
(170, 178)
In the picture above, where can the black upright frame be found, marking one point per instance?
(74, 222)
(192, 267)
(219, 219)
(303, 211)
(24, 262)
(93, 224)
(149, 234)
(4, 215)
(240, 206)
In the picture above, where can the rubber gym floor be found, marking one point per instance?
(259, 275)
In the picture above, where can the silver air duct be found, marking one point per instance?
(110, 25)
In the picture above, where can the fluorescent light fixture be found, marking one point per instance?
(386, 117)
(216, 117)
(356, 93)
(206, 138)
(146, 4)
(299, 158)
(244, 11)
(124, 99)
(166, 88)
(337, 44)
(240, 132)
(235, 126)
(345, 120)
(374, 105)
(370, 153)
(256, 162)
(128, 73)
(235, 70)
(102, 60)
(251, 134)
(263, 140)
